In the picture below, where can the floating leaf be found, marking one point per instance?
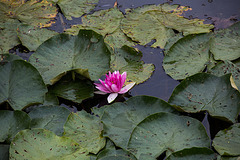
(120, 119)
(187, 57)
(76, 8)
(21, 85)
(150, 22)
(4, 58)
(166, 132)
(8, 34)
(37, 144)
(49, 117)
(127, 59)
(225, 43)
(227, 142)
(32, 37)
(4, 148)
(33, 12)
(86, 54)
(11, 123)
(85, 129)
(226, 67)
(193, 153)
(206, 92)
(76, 90)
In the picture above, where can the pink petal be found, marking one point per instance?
(115, 88)
(112, 97)
(126, 88)
(100, 92)
(123, 79)
(103, 89)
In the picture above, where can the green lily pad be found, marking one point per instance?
(75, 90)
(187, 57)
(226, 67)
(33, 12)
(85, 54)
(228, 158)
(157, 22)
(38, 144)
(21, 85)
(227, 142)
(50, 99)
(127, 59)
(166, 132)
(4, 58)
(75, 8)
(11, 123)
(8, 34)
(206, 92)
(4, 148)
(120, 119)
(32, 37)
(85, 129)
(225, 43)
(49, 117)
(193, 154)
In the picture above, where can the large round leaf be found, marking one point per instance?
(193, 154)
(38, 144)
(21, 84)
(76, 8)
(167, 132)
(11, 123)
(120, 119)
(32, 37)
(227, 142)
(85, 129)
(187, 57)
(49, 117)
(86, 54)
(225, 43)
(206, 92)
(150, 22)
(75, 90)
(4, 148)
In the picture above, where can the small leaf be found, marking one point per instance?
(225, 43)
(227, 142)
(85, 129)
(206, 92)
(166, 132)
(32, 37)
(21, 85)
(49, 117)
(11, 123)
(75, 8)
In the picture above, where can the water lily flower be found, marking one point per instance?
(113, 84)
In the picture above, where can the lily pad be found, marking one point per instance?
(120, 119)
(85, 129)
(225, 43)
(49, 117)
(206, 92)
(157, 22)
(127, 59)
(86, 54)
(4, 148)
(187, 57)
(166, 132)
(193, 153)
(227, 142)
(33, 12)
(32, 37)
(8, 34)
(21, 85)
(37, 144)
(76, 8)
(226, 67)
(11, 123)
(75, 90)
(8, 58)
